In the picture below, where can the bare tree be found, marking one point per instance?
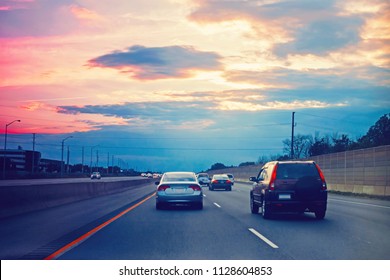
(302, 144)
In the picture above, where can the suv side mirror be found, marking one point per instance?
(253, 179)
(157, 183)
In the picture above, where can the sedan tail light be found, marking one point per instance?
(195, 187)
(214, 181)
(162, 188)
(228, 181)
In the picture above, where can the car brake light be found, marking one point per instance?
(195, 187)
(162, 188)
(322, 177)
(214, 181)
(228, 181)
(273, 178)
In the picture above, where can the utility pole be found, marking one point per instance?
(82, 160)
(33, 155)
(112, 165)
(292, 135)
(97, 160)
(90, 166)
(108, 161)
(67, 162)
(62, 154)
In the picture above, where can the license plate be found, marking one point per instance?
(284, 196)
(179, 190)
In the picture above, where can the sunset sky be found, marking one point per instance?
(182, 84)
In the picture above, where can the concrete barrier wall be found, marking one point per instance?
(15, 200)
(365, 171)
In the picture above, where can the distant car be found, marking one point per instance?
(96, 175)
(290, 186)
(220, 181)
(203, 179)
(179, 188)
(231, 177)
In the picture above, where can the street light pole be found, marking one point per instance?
(90, 166)
(62, 155)
(5, 144)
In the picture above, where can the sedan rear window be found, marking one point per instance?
(175, 177)
(296, 171)
(221, 177)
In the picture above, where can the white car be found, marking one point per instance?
(96, 175)
(203, 179)
(231, 177)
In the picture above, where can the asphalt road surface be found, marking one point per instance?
(127, 226)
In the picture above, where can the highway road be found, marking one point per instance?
(127, 226)
(29, 182)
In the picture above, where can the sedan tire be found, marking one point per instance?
(159, 206)
(320, 214)
(199, 206)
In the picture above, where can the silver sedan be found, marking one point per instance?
(179, 188)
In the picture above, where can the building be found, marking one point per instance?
(19, 161)
(50, 165)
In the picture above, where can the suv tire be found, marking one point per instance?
(254, 206)
(265, 210)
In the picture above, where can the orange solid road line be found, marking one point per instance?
(77, 241)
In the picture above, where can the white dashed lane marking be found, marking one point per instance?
(262, 237)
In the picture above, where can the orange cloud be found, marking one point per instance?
(36, 105)
(84, 13)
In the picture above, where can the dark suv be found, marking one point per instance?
(289, 186)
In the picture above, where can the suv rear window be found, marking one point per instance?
(296, 171)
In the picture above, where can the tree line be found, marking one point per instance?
(305, 146)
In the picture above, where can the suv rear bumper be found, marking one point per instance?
(293, 205)
(296, 206)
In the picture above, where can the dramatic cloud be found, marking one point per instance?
(159, 62)
(304, 26)
(209, 74)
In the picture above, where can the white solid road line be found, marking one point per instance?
(359, 203)
(262, 237)
(216, 204)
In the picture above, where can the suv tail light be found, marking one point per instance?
(322, 177)
(195, 187)
(162, 188)
(273, 178)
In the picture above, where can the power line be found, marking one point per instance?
(158, 148)
(153, 138)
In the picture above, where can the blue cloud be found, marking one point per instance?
(169, 112)
(322, 36)
(158, 62)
